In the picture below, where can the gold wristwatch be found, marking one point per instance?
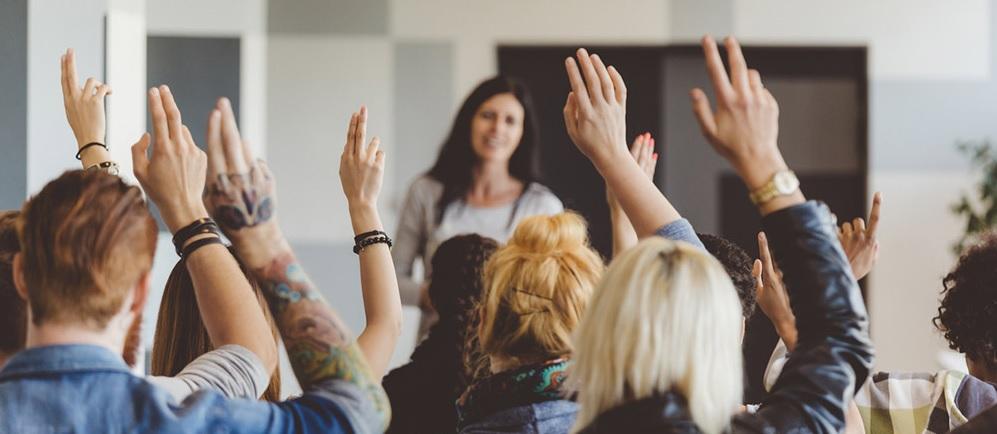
(783, 183)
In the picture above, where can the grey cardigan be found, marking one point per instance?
(418, 234)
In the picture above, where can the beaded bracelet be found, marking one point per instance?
(365, 235)
(369, 241)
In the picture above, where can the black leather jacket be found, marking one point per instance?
(832, 357)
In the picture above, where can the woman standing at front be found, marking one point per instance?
(484, 180)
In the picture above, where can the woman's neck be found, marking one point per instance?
(982, 371)
(493, 184)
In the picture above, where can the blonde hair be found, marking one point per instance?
(536, 288)
(665, 318)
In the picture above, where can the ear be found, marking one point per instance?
(18, 270)
(141, 294)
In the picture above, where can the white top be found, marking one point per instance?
(418, 234)
(231, 370)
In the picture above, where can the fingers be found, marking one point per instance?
(67, 87)
(756, 272)
(877, 200)
(715, 69)
(755, 80)
(90, 86)
(173, 119)
(102, 91)
(188, 138)
(738, 67)
(638, 146)
(846, 230)
(704, 113)
(232, 146)
(373, 149)
(858, 225)
(216, 157)
(765, 254)
(70, 72)
(360, 134)
(592, 80)
(160, 129)
(571, 114)
(350, 133)
(581, 95)
(607, 83)
(140, 159)
(618, 85)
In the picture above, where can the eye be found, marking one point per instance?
(488, 115)
(511, 120)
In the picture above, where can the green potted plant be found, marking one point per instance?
(980, 209)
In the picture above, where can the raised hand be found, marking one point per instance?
(174, 176)
(744, 128)
(241, 194)
(361, 170)
(860, 243)
(642, 151)
(84, 110)
(771, 294)
(595, 112)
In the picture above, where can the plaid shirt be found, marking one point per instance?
(916, 403)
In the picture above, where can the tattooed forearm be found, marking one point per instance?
(318, 343)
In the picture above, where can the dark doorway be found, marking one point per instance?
(822, 92)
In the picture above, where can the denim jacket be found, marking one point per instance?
(89, 389)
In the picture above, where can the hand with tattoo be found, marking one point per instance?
(241, 194)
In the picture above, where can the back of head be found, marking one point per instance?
(537, 288)
(13, 315)
(87, 239)
(665, 318)
(181, 335)
(968, 310)
(738, 264)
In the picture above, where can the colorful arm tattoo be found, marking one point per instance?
(318, 343)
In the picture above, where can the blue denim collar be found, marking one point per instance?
(62, 359)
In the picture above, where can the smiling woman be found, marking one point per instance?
(484, 180)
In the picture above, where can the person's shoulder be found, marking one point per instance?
(425, 187)
(540, 195)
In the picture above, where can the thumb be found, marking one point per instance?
(140, 159)
(756, 272)
(704, 113)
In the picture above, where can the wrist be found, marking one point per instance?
(182, 216)
(365, 218)
(756, 172)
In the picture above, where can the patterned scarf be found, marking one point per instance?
(529, 384)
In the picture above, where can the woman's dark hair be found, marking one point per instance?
(455, 164)
(13, 310)
(968, 311)
(454, 291)
(738, 264)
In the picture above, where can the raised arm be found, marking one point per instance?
(833, 353)
(85, 112)
(595, 117)
(230, 312)
(242, 196)
(624, 235)
(361, 170)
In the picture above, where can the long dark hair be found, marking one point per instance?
(454, 166)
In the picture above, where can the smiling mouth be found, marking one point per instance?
(491, 143)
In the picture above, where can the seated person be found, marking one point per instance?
(12, 311)
(423, 391)
(537, 288)
(680, 369)
(87, 243)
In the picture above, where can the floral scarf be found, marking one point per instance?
(526, 385)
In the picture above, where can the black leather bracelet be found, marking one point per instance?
(365, 235)
(88, 145)
(199, 226)
(369, 241)
(190, 248)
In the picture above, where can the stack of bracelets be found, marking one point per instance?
(200, 226)
(367, 239)
(107, 166)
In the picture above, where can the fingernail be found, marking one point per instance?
(655, 156)
(154, 91)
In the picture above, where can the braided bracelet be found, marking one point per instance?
(199, 226)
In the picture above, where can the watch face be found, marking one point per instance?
(785, 182)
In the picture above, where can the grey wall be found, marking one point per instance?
(328, 16)
(13, 102)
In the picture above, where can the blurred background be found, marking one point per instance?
(874, 96)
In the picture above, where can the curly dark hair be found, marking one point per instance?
(737, 263)
(968, 311)
(454, 291)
